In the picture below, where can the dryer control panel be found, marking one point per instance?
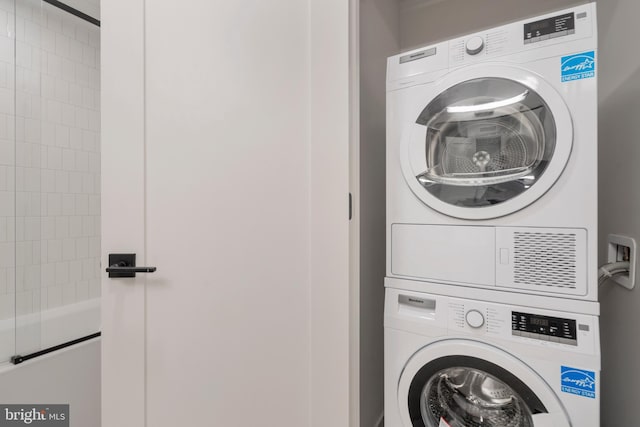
(550, 28)
(559, 33)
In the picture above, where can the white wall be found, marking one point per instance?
(70, 376)
(379, 39)
(619, 196)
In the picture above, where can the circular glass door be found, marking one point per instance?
(469, 392)
(466, 383)
(484, 146)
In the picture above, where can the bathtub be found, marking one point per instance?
(70, 375)
(33, 332)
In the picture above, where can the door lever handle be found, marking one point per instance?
(124, 265)
(117, 269)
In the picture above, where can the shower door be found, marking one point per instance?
(49, 178)
(225, 166)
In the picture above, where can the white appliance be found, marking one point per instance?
(469, 363)
(492, 158)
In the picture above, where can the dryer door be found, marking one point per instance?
(464, 383)
(491, 141)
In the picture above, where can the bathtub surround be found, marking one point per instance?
(7, 181)
(59, 327)
(52, 233)
(49, 207)
(70, 376)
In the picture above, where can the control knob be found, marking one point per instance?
(474, 318)
(475, 45)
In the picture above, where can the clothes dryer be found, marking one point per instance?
(492, 158)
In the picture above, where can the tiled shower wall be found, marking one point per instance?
(7, 165)
(49, 158)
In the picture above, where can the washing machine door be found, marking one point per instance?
(464, 383)
(486, 142)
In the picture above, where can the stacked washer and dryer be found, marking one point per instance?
(491, 312)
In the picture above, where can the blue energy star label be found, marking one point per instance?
(578, 67)
(578, 381)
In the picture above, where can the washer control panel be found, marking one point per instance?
(474, 45)
(533, 326)
(474, 318)
(545, 328)
(527, 325)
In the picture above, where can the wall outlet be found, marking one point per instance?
(623, 248)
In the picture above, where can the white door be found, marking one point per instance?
(214, 174)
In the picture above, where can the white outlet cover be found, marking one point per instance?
(615, 240)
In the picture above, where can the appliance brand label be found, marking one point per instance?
(578, 381)
(578, 67)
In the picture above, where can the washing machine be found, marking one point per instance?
(454, 362)
(492, 158)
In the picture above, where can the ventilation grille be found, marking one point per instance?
(545, 259)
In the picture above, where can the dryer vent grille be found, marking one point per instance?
(545, 259)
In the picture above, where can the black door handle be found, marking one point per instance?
(124, 265)
(116, 269)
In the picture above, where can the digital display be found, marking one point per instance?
(549, 28)
(544, 328)
(540, 25)
(539, 321)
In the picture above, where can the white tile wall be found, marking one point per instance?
(9, 153)
(49, 158)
